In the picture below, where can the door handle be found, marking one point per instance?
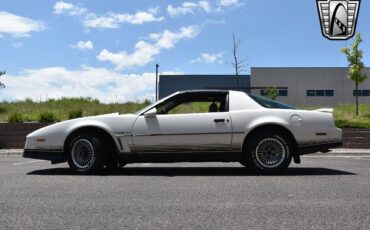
(219, 120)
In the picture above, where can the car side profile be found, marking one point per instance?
(190, 126)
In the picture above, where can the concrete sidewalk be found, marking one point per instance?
(8, 152)
(343, 151)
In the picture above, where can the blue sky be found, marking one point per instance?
(108, 49)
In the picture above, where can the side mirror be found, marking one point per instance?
(151, 113)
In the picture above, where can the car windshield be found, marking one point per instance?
(152, 105)
(267, 103)
(143, 109)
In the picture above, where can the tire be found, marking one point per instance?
(268, 153)
(85, 154)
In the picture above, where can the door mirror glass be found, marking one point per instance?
(151, 113)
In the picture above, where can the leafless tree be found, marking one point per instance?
(239, 65)
(2, 84)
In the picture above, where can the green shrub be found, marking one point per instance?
(2, 110)
(47, 117)
(147, 102)
(75, 114)
(271, 93)
(16, 118)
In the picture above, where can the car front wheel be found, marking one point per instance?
(85, 154)
(268, 153)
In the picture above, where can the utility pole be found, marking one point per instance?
(156, 82)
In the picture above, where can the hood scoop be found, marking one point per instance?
(107, 115)
(325, 110)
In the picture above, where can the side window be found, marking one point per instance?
(196, 107)
(194, 103)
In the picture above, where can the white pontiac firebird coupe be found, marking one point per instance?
(190, 126)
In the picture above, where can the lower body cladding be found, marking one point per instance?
(58, 156)
(318, 147)
(55, 156)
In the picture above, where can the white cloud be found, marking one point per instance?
(56, 82)
(144, 51)
(228, 2)
(142, 55)
(188, 8)
(88, 45)
(68, 8)
(113, 20)
(18, 26)
(194, 7)
(208, 58)
(108, 20)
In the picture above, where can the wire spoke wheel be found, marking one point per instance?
(83, 154)
(270, 152)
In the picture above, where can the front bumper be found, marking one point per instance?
(317, 147)
(55, 156)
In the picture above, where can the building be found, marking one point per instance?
(310, 86)
(169, 84)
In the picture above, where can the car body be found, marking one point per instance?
(198, 125)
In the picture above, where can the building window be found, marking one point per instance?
(281, 92)
(320, 93)
(329, 93)
(361, 93)
(311, 93)
(357, 93)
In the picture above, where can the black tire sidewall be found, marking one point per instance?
(97, 146)
(251, 152)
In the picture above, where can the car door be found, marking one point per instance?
(183, 132)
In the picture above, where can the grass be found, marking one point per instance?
(198, 107)
(344, 114)
(63, 108)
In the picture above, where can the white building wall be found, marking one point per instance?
(299, 80)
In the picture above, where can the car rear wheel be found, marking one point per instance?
(268, 153)
(85, 154)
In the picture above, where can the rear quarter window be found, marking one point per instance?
(267, 103)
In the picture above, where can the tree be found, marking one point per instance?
(2, 84)
(271, 93)
(355, 64)
(238, 65)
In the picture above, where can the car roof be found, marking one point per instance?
(205, 91)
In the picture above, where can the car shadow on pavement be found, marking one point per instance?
(194, 171)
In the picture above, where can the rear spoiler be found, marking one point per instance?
(325, 110)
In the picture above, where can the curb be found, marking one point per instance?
(11, 152)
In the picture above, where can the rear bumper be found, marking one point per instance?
(313, 148)
(50, 155)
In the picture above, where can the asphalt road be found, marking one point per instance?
(330, 192)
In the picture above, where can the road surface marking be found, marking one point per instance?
(339, 156)
(28, 162)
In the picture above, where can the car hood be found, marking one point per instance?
(113, 123)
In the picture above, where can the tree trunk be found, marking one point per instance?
(357, 98)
